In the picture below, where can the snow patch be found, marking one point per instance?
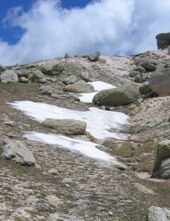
(86, 148)
(98, 121)
(98, 86)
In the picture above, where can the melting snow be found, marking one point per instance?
(99, 122)
(98, 86)
(86, 148)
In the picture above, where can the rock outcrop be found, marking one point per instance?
(123, 95)
(163, 40)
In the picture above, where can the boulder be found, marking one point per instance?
(52, 69)
(162, 163)
(94, 57)
(38, 77)
(18, 152)
(158, 214)
(70, 80)
(160, 82)
(45, 89)
(163, 40)
(9, 76)
(79, 87)
(145, 88)
(85, 76)
(139, 69)
(123, 95)
(66, 126)
(147, 64)
(133, 73)
(24, 80)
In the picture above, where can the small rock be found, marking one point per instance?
(53, 171)
(68, 181)
(53, 200)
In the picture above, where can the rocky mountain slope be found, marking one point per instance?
(44, 180)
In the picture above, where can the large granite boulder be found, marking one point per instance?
(79, 87)
(162, 163)
(18, 152)
(158, 214)
(9, 76)
(66, 126)
(163, 40)
(160, 82)
(123, 95)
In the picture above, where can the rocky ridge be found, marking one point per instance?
(65, 185)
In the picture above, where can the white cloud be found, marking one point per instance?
(108, 26)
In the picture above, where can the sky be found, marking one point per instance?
(32, 30)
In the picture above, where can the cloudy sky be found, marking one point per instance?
(33, 30)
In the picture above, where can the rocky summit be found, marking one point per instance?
(86, 138)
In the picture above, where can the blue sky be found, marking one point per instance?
(32, 30)
(13, 34)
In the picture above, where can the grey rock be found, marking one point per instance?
(2, 68)
(94, 57)
(46, 89)
(53, 200)
(139, 69)
(138, 78)
(158, 214)
(123, 95)
(163, 40)
(85, 76)
(38, 77)
(66, 126)
(53, 171)
(160, 82)
(145, 88)
(79, 87)
(24, 80)
(17, 151)
(52, 69)
(134, 73)
(148, 66)
(162, 163)
(70, 80)
(9, 76)
(68, 181)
